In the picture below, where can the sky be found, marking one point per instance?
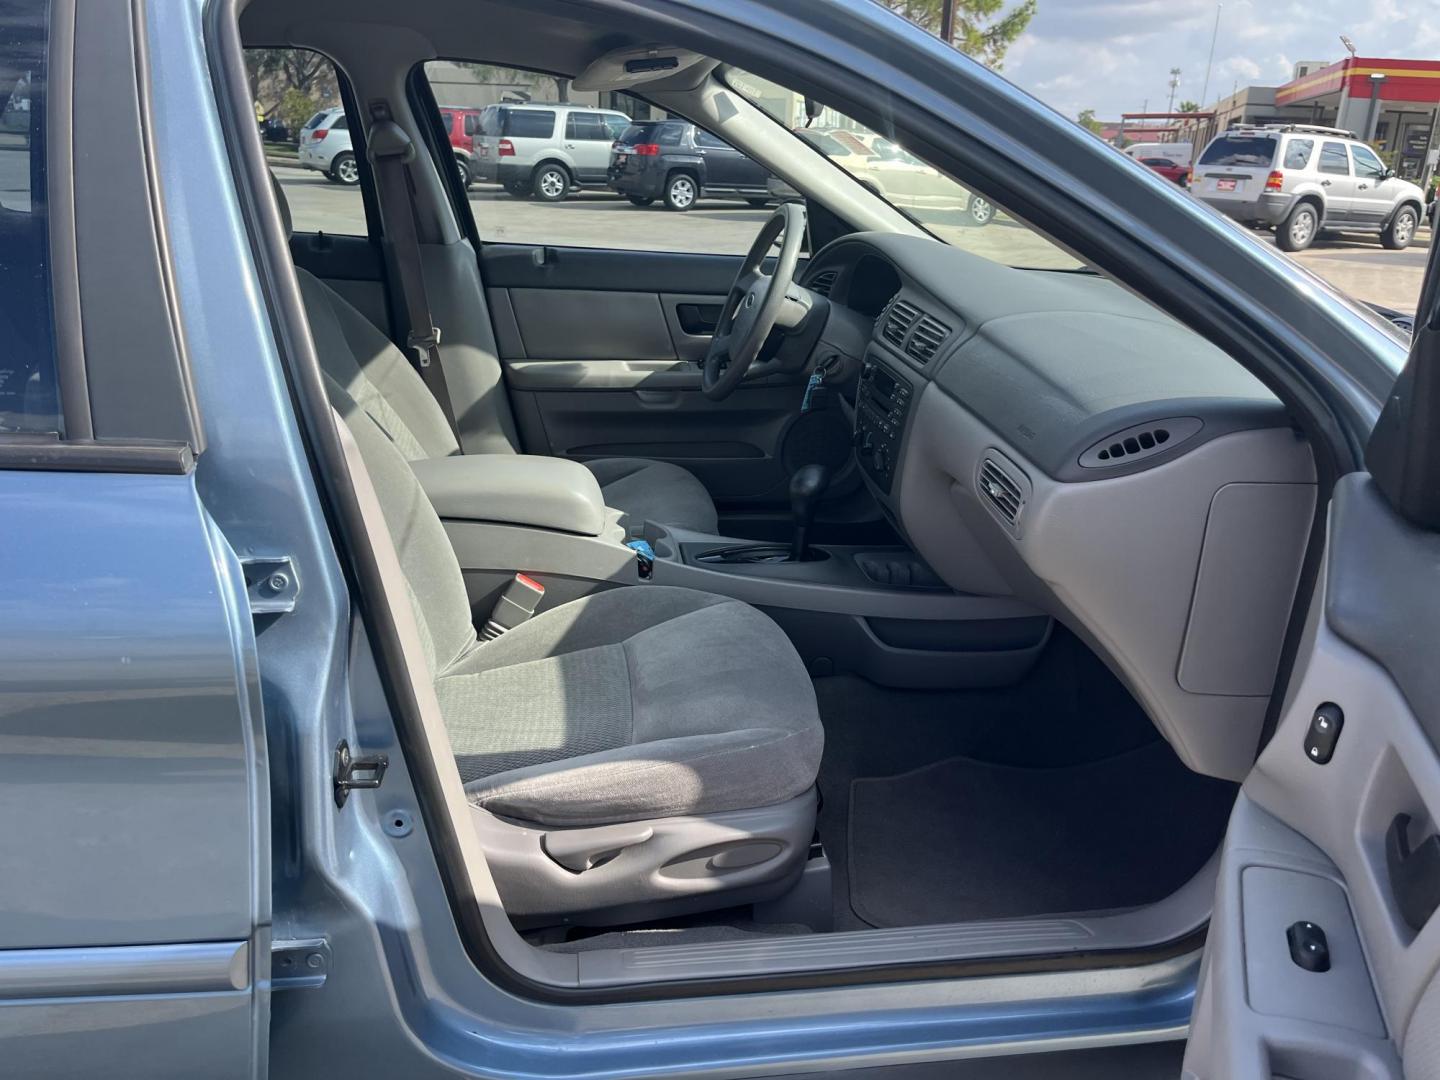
(1113, 55)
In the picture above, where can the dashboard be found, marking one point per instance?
(1049, 436)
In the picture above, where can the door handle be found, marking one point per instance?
(569, 146)
(1364, 186)
(1324, 183)
(1414, 872)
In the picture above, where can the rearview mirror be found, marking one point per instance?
(812, 110)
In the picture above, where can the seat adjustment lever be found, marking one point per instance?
(579, 850)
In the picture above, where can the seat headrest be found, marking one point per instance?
(285, 221)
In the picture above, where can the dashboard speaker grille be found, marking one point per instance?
(1002, 490)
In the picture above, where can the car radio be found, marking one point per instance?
(880, 409)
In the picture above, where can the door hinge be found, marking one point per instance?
(270, 583)
(300, 964)
(347, 769)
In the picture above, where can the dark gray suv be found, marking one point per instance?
(679, 163)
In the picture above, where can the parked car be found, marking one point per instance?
(325, 147)
(1300, 179)
(273, 130)
(462, 125)
(546, 149)
(679, 164)
(899, 177)
(1182, 153)
(1168, 168)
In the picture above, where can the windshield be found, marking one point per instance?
(1255, 151)
(947, 210)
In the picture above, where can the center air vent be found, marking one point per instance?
(927, 337)
(1003, 487)
(823, 282)
(895, 324)
(1139, 442)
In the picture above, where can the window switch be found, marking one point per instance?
(1308, 947)
(1324, 733)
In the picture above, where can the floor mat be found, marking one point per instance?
(964, 839)
(1069, 710)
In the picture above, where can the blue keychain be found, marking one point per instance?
(816, 378)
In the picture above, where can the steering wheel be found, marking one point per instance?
(757, 303)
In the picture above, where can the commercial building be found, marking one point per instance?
(1392, 104)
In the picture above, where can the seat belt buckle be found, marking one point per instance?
(644, 557)
(422, 343)
(515, 606)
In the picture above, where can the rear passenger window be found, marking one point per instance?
(1297, 153)
(529, 123)
(705, 139)
(298, 92)
(614, 171)
(1334, 159)
(591, 126)
(29, 397)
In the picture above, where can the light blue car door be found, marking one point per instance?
(135, 852)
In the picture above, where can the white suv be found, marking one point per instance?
(1299, 179)
(325, 147)
(546, 150)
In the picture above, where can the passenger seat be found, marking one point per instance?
(640, 752)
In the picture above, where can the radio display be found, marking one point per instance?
(884, 383)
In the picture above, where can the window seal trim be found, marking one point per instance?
(38, 454)
(74, 389)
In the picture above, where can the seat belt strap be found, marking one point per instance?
(391, 152)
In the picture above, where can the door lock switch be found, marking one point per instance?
(1324, 733)
(1308, 946)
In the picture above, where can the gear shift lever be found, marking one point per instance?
(806, 488)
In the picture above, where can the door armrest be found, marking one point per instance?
(519, 489)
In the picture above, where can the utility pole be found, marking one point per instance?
(947, 21)
(1205, 90)
(1174, 85)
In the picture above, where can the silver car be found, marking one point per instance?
(546, 150)
(1299, 179)
(325, 147)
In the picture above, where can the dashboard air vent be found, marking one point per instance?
(1139, 442)
(897, 320)
(823, 282)
(927, 337)
(1004, 492)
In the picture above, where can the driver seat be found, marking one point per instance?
(375, 374)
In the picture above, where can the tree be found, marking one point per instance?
(1087, 120)
(982, 28)
(1189, 106)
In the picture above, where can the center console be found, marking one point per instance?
(881, 406)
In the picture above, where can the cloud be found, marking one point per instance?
(1115, 56)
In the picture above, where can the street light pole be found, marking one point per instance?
(1205, 90)
(1174, 85)
(947, 21)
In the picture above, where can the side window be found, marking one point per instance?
(315, 164)
(1334, 159)
(472, 124)
(29, 398)
(705, 139)
(530, 123)
(1367, 165)
(587, 126)
(1297, 153)
(618, 154)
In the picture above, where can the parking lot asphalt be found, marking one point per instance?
(1355, 265)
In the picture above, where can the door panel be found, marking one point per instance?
(1308, 841)
(596, 371)
(351, 265)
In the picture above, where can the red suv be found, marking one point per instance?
(462, 124)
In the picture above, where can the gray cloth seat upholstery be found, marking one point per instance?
(638, 703)
(378, 377)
